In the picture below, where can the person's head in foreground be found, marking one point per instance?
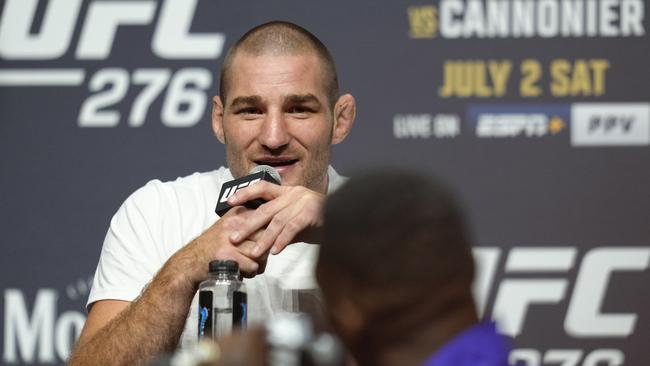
(396, 269)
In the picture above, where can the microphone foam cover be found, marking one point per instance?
(269, 169)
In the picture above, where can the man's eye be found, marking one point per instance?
(250, 110)
(299, 110)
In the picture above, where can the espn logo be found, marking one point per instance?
(610, 124)
(518, 121)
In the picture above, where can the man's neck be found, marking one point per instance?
(419, 344)
(326, 183)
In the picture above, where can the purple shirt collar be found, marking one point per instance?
(479, 345)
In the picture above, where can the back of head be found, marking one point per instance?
(281, 38)
(395, 265)
(395, 231)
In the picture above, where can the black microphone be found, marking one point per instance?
(260, 172)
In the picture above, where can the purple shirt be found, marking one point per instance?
(479, 345)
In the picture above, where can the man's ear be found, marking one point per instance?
(217, 119)
(347, 318)
(345, 110)
(346, 315)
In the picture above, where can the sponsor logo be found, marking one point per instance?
(171, 38)
(567, 357)
(229, 191)
(610, 124)
(516, 296)
(424, 126)
(40, 330)
(510, 121)
(115, 94)
(532, 280)
(453, 19)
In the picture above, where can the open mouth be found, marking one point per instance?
(276, 163)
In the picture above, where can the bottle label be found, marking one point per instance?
(205, 314)
(239, 310)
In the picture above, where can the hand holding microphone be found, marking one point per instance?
(228, 189)
(289, 213)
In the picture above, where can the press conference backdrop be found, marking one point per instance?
(536, 112)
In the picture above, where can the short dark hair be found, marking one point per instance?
(281, 38)
(393, 229)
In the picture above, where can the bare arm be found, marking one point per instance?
(123, 333)
(100, 314)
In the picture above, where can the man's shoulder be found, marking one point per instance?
(198, 186)
(335, 180)
(173, 212)
(196, 181)
(199, 179)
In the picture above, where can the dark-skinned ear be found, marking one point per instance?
(354, 318)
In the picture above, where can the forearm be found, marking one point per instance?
(149, 326)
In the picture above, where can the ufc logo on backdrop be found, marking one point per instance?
(171, 38)
(584, 318)
(120, 92)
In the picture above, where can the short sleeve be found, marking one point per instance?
(131, 253)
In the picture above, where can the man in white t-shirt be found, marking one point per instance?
(279, 106)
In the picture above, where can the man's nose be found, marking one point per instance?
(274, 133)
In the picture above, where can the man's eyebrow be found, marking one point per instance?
(246, 100)
(302, 98)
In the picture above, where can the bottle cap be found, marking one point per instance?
(223, 266)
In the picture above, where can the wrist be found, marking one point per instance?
(186, 269)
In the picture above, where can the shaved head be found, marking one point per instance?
(280, 38)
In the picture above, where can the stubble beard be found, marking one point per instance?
(313, 175)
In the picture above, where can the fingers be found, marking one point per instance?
(302, 217)
(247, 266)
(262, 189)
(259, 219)
(305, 225)
(288, 212)
(214, 244)
(288, 234)
(284, 225)
(245, 225)
(246, 247)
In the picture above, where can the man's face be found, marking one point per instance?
(277, 114)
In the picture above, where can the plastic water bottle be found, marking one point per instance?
(222, 301)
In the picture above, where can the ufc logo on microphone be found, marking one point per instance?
(229, 191)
